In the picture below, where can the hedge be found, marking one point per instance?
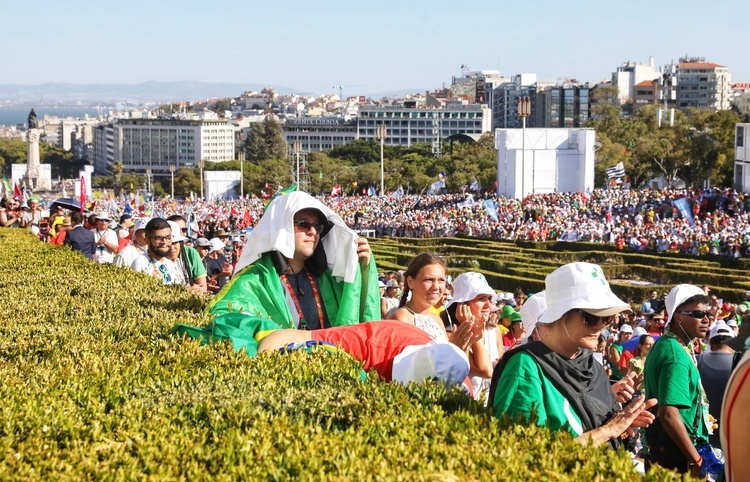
(95, 388)
(525, 264)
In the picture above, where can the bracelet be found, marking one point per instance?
(698, 462)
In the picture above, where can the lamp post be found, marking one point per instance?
(171, 174)
(148, 176)
(524, 110)
(297, 149)
(200, 165)
(380, 133)
(241, 157)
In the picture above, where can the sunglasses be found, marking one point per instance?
(699, 314)
(306, 226)
(593, 320)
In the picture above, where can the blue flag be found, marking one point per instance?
(491, 208)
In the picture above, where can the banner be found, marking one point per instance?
(617, 170)
(684, 209)
(83, 193)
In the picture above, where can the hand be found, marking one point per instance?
(465, 335)
(631, 414)
(363, 251)
(624, 388)
(463, 314)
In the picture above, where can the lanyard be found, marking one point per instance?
(298, 306)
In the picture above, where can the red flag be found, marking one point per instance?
(83, 193)
(336, 191)
(17, 194)
(247, 219)
(267, 186)
(233, 211)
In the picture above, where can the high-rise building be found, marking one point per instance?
(155, 144)
(565, 105)
(319, 133)
(505, 101)
(631, 74)
(410, 125)
(742, 157)
(702, 84)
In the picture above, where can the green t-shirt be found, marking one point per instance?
(672, 378)
(616, 374)
(522, 387)
(197, 268)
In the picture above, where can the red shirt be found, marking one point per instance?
(375, 343)
(509, 340)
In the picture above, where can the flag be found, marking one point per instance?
(617, 170)
(371, 191)
(6, 186)
(282, 191)
(474, 185)
(336, 191)
(491, 208)
(437, 185)
(17, 194)
(83, 193)
(233, 211)
(398, 192)
(247, 218)
(587, 193)
(267, 186)
(468, 202)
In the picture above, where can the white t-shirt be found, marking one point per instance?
(164, 269)
(101, 253)
(127, 255)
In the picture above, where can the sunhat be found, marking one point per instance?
(216, 245)
(468, 286)
(579, 285)
(437, 359)
(678, 295)
(177, 236)
(531, 310)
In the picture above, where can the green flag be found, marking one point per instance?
(320, 174)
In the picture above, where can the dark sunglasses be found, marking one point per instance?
(699, 314)
(306, 226)
(593, 320)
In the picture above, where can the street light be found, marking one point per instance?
(148, 176)
(524, 110)
(171, 173)
(381, 132)
(297, 149)
(241, 157)
(200, 164)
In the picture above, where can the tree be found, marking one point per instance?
(266, 141)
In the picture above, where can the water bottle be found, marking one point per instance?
(713, 459)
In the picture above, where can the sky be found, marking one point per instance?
(367, 47)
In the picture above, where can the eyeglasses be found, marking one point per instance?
(161, 239)
(593, 320)
(307, 225)
(699, 314)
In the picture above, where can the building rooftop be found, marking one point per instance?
(700, 65)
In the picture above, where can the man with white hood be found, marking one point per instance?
(302, 268)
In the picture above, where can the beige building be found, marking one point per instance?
(702, 84)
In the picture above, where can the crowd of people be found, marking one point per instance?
(653, 378)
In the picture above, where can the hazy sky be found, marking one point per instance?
(367, 46)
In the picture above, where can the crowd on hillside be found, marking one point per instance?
(715, 221)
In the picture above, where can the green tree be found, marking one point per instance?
(266, 141)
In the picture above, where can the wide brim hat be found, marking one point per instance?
(678, 295)
(436, 359)
(531, 309)
(103, 216)
(216, 245)
(579, 286)
(141, 223)
(177, 236)
(468, 286)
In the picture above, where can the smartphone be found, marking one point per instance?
(636, 394)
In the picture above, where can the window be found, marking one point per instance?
(740, 136)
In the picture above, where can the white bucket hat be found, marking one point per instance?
(177, 236)
(141, 223)
(579, 285)
(216, 245)
(437, 359)
(678, 295)
(531, 310)
(468, 286)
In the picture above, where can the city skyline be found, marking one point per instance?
(373, 48)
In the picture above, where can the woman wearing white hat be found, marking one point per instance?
(558, 378)
(473, 301)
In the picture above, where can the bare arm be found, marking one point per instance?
(675, 428)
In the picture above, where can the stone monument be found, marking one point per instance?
(36, 180)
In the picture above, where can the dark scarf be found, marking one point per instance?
(581, 380)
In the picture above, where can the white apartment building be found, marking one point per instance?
(630, 74)
(104, 148)
(702, 84)
(406, 126)
(156, 144)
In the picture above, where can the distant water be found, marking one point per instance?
(10, 116)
